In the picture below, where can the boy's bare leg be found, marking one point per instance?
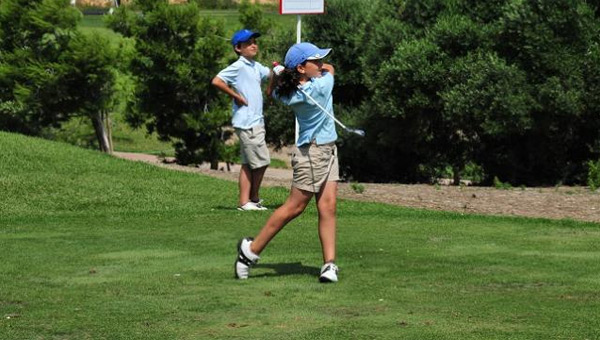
(293, 206)
(256, 180)
(326, 205)
(245, 183)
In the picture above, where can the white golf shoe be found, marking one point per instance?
(245, 259)
(251, 206)
(329, 273)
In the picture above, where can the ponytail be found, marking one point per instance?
(287, 82)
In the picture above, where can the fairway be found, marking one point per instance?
(230, 18)
(95, 247)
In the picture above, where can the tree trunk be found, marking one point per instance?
(109, 132)
(99, 122)
(456, 171)
(214, 165)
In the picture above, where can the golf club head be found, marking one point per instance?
(358, 132)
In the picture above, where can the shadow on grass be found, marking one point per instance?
(281, 269)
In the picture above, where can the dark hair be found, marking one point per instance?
(287, 82)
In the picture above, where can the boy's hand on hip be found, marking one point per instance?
(241, 101)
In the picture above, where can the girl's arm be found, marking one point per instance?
(272, 76)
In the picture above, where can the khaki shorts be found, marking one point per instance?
(314, 165)
(253, 148)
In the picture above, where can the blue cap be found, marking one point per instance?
(299, 53)
(243, 36)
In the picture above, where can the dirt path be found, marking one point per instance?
(576, 203)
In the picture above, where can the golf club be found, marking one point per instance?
(358, 132)
(277, 69)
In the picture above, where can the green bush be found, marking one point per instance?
(178, 52)
(341, 29)
(502, 84)
(231, 153)
(498, 184)
(50, 71)
(357, 187)
(593, 178)
(473, 172)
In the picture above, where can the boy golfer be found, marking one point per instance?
(241, 81)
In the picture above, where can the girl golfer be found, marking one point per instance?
(314, 159)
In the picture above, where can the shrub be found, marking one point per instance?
(593, 178)
(503, 84)
(498, 184)
(357, 188)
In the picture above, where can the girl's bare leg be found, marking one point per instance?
(326, 205)
(293, 206)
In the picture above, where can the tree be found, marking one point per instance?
(49, 71)
(177, 54)
(341, 28)
(93, 80)
(34, 35)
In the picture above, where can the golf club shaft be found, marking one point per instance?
(323, 109)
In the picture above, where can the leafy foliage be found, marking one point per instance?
(501, 84)
(593, 178)
(178, 52)
(49, 71)
(34, 35)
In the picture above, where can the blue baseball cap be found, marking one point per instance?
(299, 53)
(243, 36)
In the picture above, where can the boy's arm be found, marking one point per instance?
(221, 85)
(328, 68)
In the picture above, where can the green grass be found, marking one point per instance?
(278, 164)
(95, 247)
(79, 131)
(93, 21)
(95, 24)
(232, 23)
(229, 17)
(128, 139)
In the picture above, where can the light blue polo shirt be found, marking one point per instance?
(245, 77)
(313, 123)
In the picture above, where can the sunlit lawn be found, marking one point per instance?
(95, 247)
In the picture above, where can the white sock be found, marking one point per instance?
(249, 254)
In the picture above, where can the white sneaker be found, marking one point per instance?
(250, 206)
(260, 206)
(329, 273)
(245, 259)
